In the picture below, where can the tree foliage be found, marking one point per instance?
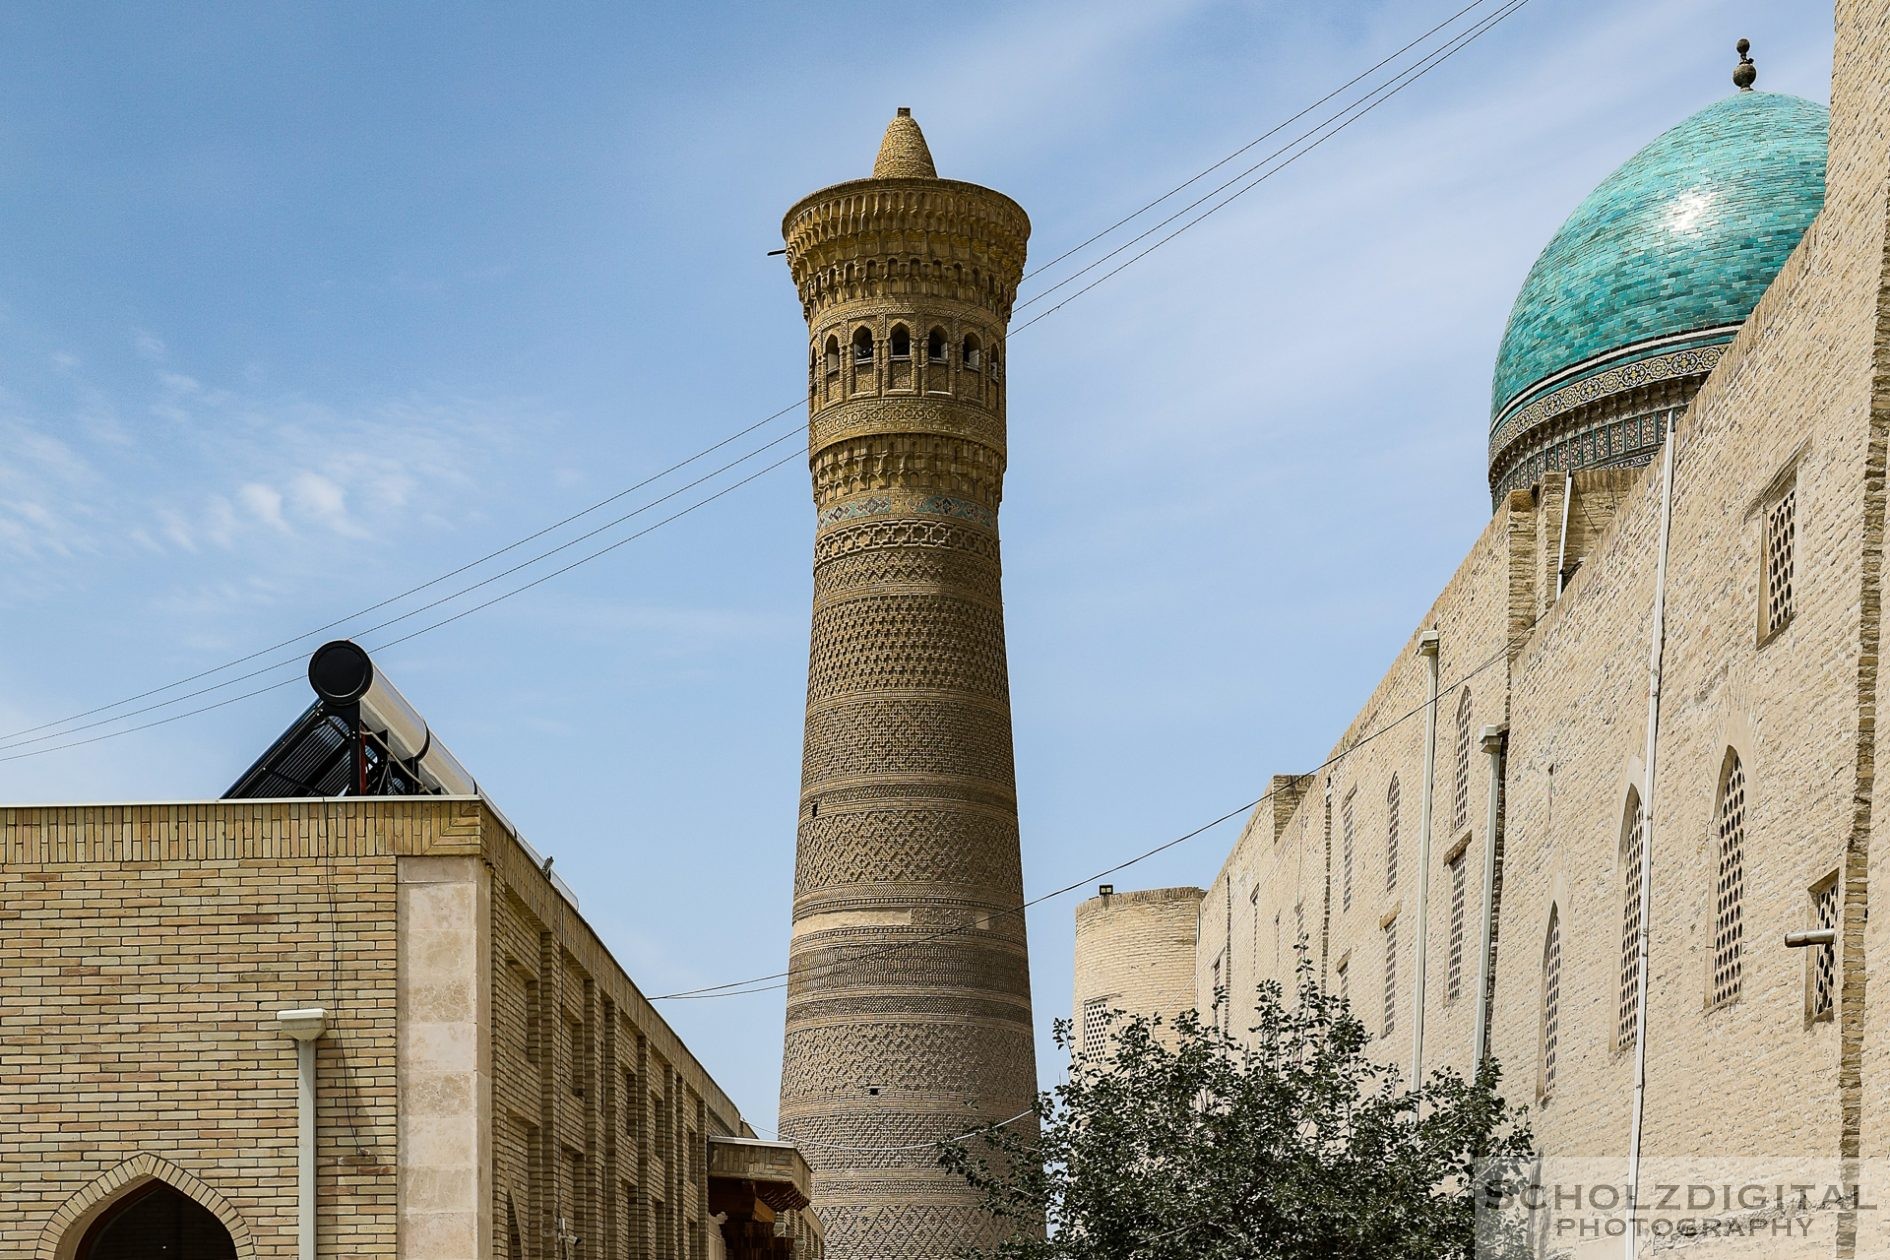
(1187, 1143)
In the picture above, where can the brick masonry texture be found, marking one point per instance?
(1800, 403)
(1135, 952)
(908, 1015)
(490, 1080)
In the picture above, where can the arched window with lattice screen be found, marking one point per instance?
(1391, 977)
(1460, 784)
(1348, 843)
(1391, 836)
(1633, 827)
(1551, 1002)
(1729, 889)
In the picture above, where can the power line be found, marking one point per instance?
(1415, 73)
(906, 1146)
(1199, 175)
(1383, 93)
(761, 984)
(228, 700)
(16, 739)
(7, 740)
(444, 599)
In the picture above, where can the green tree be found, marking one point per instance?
(1192, 1144)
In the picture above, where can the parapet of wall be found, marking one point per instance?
(1135, 953)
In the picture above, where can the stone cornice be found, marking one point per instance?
(1674, 365)
(876, 236)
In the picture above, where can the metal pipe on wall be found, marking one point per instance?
(1427, 645)
(1495, 740)
(306, 1026)
(1656, 651)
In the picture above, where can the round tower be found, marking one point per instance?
(908, 1013)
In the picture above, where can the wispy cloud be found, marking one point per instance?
(209, 468)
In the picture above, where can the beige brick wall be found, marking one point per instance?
(1135, 951)
(490, 1078)
(600, 1114)
(1801, 398)
(146, 951)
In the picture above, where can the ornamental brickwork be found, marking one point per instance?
(909, 992)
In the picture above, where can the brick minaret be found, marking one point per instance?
(908, 1012)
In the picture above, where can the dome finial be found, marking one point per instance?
(903, 153)
(1745, 73)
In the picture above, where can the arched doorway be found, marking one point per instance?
(157, 1222)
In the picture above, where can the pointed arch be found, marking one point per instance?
(973, 353)
(935, 346)
(1633, 827)
(1551, 1003)
(1391, 835)
(1729, 892)
(1460, 781)
(899, 342)
(66, 1228)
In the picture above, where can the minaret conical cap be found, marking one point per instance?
(903, 154)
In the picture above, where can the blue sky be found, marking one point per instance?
(302, 306)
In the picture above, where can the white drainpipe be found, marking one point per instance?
(1492, 739)
(1561, 552)
(1427, 648)
(305, 1026)
(1657, 645)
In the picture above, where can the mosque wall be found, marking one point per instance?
(1334, 863)
(1776, 1062)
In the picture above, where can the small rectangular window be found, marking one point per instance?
(1345, 971)
(1453, 980)
(1821, 999)
(1781, 529)
(1095, 1030)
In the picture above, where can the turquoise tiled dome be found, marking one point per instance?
(1671, 251)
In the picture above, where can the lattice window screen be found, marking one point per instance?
(1824, 961)
(1780, 545)
(1345, 987)
(1391, 977)
(1299, 931)
(1348, 843)
(1391, 836)
(1453, 978)
(1635, 826)
(1095, 1032)
(1551, 999)
(1460, 798)
(1730, 893)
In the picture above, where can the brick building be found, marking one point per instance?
(483, 1081)
(1649, 904)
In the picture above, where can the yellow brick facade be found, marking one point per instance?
(491, 1083)
(1800, 402)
